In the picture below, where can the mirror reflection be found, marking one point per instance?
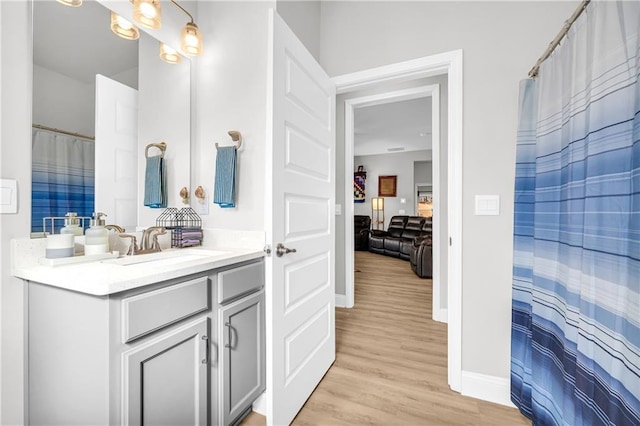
(72, 46)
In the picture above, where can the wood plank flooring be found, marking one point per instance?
(391, 360)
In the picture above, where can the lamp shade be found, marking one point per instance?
(72, 3)
(191, 40)
(377, 203)
(148, 13)
(169, 54)
(123, 28)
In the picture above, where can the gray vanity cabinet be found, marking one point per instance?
(242, 361)
(151, 355)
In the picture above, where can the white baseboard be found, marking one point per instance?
(260, 404)
(341, 301)
(488, 388)
(441, 315)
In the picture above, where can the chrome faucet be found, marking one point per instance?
(149, 243)
(117, 228)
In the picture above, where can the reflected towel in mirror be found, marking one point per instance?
(224, 190)
(155, 182)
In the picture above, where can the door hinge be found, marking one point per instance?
(267, 249)
(450, 241)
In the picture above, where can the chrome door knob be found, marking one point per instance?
(281, 250)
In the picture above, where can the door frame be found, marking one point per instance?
(449, 63)
(432, 91)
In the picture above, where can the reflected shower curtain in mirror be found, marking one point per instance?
(62, 176)
(575, 348)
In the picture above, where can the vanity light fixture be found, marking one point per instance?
(148, 13)
(72, 3)
(169, 54)
(191, 41)
(123, 28)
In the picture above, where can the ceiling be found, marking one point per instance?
(65, 37)
(393, 127)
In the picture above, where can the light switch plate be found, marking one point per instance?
(202, 207)
(8, 196)
(338, 209)
(401, 211)
(487, 205)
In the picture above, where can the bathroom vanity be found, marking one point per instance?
(175, 337)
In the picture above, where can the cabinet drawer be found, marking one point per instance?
(238, 281)
(151, 311)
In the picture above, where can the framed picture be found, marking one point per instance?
(387, 186)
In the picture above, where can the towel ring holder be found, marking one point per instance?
(236, 136)
(162, 146)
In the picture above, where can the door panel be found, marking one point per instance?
(242, 360)
(300, 204)
(165, 380)
(115, 150)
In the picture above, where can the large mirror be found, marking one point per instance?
(70, 47)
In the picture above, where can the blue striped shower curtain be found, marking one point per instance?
(62, 176)
(575, 350)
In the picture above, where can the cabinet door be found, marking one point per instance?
(165, 381)
(242, 359)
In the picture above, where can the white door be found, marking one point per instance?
(300, 215)
(116, 151)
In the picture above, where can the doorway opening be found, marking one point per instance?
(449, 244)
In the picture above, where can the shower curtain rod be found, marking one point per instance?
(556, 41)
(53, 129)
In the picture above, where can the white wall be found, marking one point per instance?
(15, 163)
(500, 42)
(232, 95)
(398, 164)
(63, 102)
(163, 116)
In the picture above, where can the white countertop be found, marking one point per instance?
(104, 277)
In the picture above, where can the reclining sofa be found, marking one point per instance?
(408, 238)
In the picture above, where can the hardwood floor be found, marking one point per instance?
(391, 360)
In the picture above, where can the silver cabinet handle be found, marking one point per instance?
(282, 250)
(206, 350)
(229, 331)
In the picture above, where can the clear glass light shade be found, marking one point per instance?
(169, 54)
(191, 40)
(148, 13)
(72, 3)
(123, 28)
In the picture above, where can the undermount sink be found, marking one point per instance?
(166, 258)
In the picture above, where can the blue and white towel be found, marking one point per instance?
(155, 182)
(224, 190)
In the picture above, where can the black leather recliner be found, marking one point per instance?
(361, 225)
(377, 238)
(421, 257)
(413, 230)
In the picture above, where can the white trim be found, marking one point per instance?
(260, 404)
(445, 63)
(487, 388)
(441, 315)
(402, 71)
(341, 301)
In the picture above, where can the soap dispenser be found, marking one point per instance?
(96, 239)
(71, 224)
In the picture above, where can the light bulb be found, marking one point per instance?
(123, 28)
(169, 54)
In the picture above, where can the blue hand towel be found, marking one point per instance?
(224, 190)
(155, 182)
